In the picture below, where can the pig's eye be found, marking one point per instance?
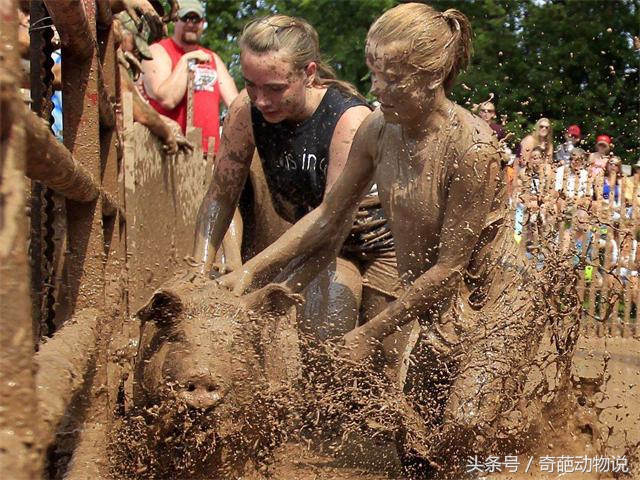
(190, 387)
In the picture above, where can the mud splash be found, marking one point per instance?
(175, 441)
(336, 406)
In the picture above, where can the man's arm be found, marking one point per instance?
(309, 245)
(168, 87)
(474, 185)
(229, 175)
(228, 89)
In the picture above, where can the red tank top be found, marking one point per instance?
(206, 96)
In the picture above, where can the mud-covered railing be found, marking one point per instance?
(20, 457)
(598, 228)
(51, 163)
(77, 240)
(111, 217)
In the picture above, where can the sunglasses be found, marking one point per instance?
(191, 19)
(485, 110)
(544, 126)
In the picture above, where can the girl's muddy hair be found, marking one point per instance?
(431, 42)
(298, 41)
(538, 149)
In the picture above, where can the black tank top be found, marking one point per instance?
(295, 157)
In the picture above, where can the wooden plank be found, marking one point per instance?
(163, 195)
(84, 263)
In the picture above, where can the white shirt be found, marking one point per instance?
(571, 182)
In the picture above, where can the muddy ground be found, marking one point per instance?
(610, 427)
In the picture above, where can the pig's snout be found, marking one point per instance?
(201, 391)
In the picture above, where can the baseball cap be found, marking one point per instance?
(606, 139)
(140, 37)
(190, 6)
(573, 130)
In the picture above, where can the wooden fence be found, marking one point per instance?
(110, 217)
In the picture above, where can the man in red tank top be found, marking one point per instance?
(166, 76)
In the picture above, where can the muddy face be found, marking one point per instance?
(404, 93)
(274, 87)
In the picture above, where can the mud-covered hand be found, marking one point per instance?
(172, 14)
(174, 141)
(359, 344)
(238, 281)
(184, 145)
(272, 297)
(141, 8)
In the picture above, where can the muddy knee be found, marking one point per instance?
(332, 301)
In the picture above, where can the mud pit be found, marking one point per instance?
(333, 420)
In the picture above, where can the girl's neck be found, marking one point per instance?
(312, 100)
(439, 110)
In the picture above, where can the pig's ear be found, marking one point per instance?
(163, 307)
(272, 296)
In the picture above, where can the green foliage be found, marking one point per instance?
(569, 60)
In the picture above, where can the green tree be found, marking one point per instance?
(569, 60)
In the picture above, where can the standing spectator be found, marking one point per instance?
(571, 140)
(571, 187)
(542, 136)
(531, 212)
(599, 159)
(612, 181)
(166, 76)
(488, 114)
(631, 195)
(571, 180)
(134, 46)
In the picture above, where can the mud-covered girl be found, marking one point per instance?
(301, 120)
(438, 171)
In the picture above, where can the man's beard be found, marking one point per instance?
(190, 38)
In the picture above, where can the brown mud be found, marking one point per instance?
(341, 420)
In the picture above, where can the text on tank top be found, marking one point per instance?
(206, 96)
(295, 157)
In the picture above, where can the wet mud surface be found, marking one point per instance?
(335, 420)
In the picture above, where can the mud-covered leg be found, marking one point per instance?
(332, 302)
(481, 415)
(427, 384)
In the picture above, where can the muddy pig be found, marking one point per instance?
(203, 406)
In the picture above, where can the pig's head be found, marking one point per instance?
(202, 402)
(198, 347)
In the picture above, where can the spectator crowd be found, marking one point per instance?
(577, 197)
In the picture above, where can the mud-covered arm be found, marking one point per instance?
(471, 195)
(229, 175)
(171, 138)
(309, 245)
